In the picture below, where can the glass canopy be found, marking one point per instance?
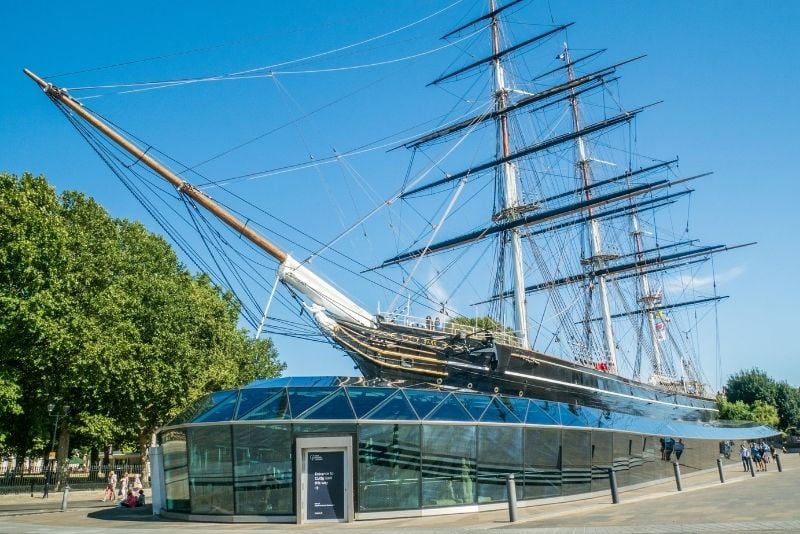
(346, 398)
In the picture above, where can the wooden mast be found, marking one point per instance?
(181, 185)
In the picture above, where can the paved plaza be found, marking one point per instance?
(768, 502)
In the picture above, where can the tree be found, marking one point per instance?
(733, 411)
(481, 323)
(787, 401)
(98, 313)
(754, 385)
(750, 386)
(765, 414)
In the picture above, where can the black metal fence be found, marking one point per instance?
(32, 480)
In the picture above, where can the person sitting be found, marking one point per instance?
(130, 500)
(140, 499)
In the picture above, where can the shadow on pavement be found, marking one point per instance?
(118, 513)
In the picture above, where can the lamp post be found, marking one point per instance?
(50, 453)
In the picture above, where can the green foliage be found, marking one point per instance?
(760, 412)
(733, 411)
(749, 386)
(481, 323)
(755, 385)
(98, 313)
(764, 413)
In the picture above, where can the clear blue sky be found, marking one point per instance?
(727, 72)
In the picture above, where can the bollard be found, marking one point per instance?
(612, 480)
(31, 488)
(778, 461)
(511, 487)
(750, 464)
(677, 470)
(65, 498)
(721, 474)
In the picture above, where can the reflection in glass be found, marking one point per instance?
(450, 410)
(499, 454)
(622, 451)
(275, 407)
(222, 411)
(176, 475)
(542, 459)
(250, 398)
(448, 465)
(210, 470)
(365, 399)
(388, 467)
(396, 408)
(602, 444)
(301, 399)
(335, 406)
(576, 472)
(263, 469)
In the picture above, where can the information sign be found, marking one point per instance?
(325, 485)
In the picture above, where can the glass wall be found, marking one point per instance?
(233, 452)
(448, 465)
(576, 461)
(211, 470)
(263, 461)
(499, 454)
(542, 463)
(388, 467)
(176, 471)
(602, 461)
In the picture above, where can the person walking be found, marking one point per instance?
(108, 494)
(755, 454)
(123, 483)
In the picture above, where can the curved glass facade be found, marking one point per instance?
(232, 453)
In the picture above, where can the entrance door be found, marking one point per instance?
(325, 486)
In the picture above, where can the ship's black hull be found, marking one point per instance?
(411, 356)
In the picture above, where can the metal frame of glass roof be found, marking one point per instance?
(351, 399)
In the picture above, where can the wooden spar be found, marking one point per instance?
(181, 185)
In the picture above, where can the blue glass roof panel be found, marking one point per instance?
(396, 407)
(250, 398)
(276, 407)
(499, 412)
(571, 415)
(595, 417)
(518, 405)
(279, 382)
(303, 398)
(475, 403)
(222, 409)
(450, 409)
(543, 413)
(304, 381)
(365, 399)
(335, 406)
(424, 401)
(201, 405)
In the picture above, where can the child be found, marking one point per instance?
(130, 501)
(108, 494)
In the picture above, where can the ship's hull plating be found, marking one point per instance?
(412, 356)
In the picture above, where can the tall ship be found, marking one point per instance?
(533, 194)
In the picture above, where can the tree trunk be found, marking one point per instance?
(63, 458)
(144, 450)
(95, 473)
